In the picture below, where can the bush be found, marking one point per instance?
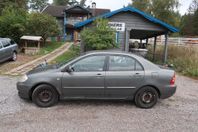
(99, 37)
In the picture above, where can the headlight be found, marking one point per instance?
(23, 78)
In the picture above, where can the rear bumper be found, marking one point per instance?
(23, 90)
(168, 91)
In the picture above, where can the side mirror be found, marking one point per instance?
(69, 69)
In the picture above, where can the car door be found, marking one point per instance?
(1, 52)
(7, 49)
(87, 78)
(124, 74)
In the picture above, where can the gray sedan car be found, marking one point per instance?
(99, 75)
(8, 50)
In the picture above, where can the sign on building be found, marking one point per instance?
(118, 26)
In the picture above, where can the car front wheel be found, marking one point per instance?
(146, 97)
(45, 96)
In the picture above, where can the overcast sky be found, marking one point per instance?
(117, 4)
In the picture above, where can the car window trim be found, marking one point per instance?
(123, 56)
(104, 66)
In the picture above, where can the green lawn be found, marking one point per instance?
(73, 52)
(49, 47)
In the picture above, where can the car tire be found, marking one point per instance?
(45, 96)
(14, 56)
(146, 97)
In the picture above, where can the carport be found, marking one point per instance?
(137, 25)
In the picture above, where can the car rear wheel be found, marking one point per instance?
(146, 97)
(45, 96)
(14, 56)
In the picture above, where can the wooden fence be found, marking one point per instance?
(176, 41)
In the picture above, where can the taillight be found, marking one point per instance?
(172, 81)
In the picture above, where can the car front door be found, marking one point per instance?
(86, 78)
(7, 49)
(123, 76)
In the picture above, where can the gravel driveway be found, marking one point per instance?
(178, 113)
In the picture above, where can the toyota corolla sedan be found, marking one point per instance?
(99, 75)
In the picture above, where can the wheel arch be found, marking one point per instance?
(41, 83)
(156, 88)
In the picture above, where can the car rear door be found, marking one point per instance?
(124, 74)
(87, 78)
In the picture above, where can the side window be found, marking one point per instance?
(12, 42)
(121, 63)
(124, 63)
(88, 64)
(138, 67)
(5, 43)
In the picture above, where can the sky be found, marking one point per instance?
(117, 4)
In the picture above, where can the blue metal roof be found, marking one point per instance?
(126, 9)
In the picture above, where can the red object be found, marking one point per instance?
(172, 81)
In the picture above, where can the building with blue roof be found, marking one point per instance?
(131, 23)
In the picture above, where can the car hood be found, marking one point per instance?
(41, 68)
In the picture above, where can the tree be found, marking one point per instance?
(13, 3)
(142, 5)
(82, 3)
(99, 37)
(165, 10)
(13, 23)
(42, 25)
(193, 7)
(38, 5)
(65, 2)
(189, 22)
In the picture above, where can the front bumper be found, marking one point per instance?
(168, 91)
(23, 90)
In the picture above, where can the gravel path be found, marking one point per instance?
(178, 113)
(49, 57)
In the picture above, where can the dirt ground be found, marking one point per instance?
(21, 59)
(178, 113)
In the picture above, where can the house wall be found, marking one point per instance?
(133, 21)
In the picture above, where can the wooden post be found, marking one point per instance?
(154, 47)
(25, 43)
(146, 42)
(165, 48)
(82, 47)
(39, 45)
(127, 36)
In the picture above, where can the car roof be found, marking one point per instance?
(114, 51)
(2, 39)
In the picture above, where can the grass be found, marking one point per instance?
(73, 52)
(184, 59)
(49, 47)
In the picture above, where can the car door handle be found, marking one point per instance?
(99, 75)
(137, 75)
